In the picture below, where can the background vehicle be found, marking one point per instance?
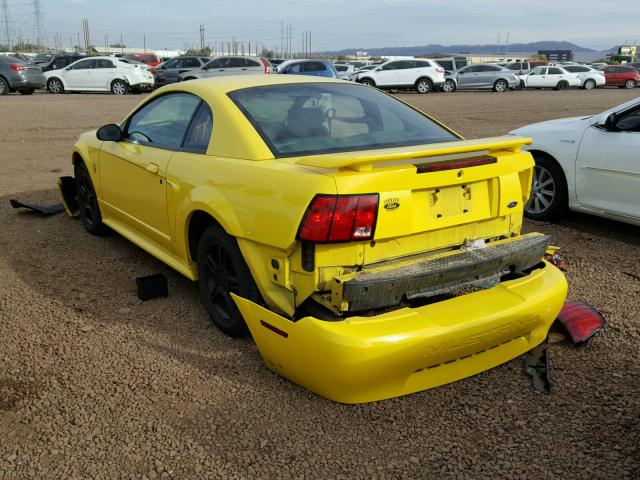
(621, 76)
(588, 164)
(418, 74)
(41, 58)
(549, 77)
(284, 212)
(60, 60)
(316, 68)
(168, 72)
(223, 66)
(100, 74)
(451, 64)
(344, 70)
(147, 58)
(485, 77)
(16, 75)
(355, 73)
(590, 78)
(519, 68)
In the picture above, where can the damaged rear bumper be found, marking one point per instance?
(363, 359)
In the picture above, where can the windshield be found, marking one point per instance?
(316, 118)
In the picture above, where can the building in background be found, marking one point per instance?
(557, 55)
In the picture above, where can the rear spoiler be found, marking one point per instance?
(364, 161)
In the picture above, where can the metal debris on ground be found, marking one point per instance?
(152, 286)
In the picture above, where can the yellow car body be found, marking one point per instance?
(364, 349)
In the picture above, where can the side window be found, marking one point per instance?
(190, 63)
(471, 69)
(199, 133)
(295, 68)
(83, 65)
(103, 64)
(391, 66)
(313, 67)
(515, 66)
(164, 121)
(555, 71)
(252, 63)
(406, 64)
(175, 63)
(219, 63)
(446, 64)
(423, 64)
(630, 122)
(461, 63)
(236, 62)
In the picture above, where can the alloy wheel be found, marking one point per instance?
(543, 191)
(220, 279)
(119, 88)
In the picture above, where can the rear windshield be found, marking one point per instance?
(316, 118)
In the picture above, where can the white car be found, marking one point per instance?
(344, 70)
(590, 78)
(360, 70)
(422, 75)
(588, 164)
(549, 77)
(100, 74)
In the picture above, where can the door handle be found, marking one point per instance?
(152, 167)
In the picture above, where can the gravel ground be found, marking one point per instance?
(96, 384)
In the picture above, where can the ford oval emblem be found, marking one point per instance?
(512, 204)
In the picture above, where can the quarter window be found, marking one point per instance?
(313, 67)
(163, 122)
(85, 64)
(555, 71)
(199, 133)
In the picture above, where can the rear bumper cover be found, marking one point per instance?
(364, 359)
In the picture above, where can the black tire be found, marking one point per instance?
(90, 215)
(630, 84)
(549, 200)
(562, 85)
(449, 86)
(4, 87)
(28, 91)
(500, 86)
(54, 85)
(222, 270)
(423, 86)
(368, 82)
(589, 84)
(119, 87)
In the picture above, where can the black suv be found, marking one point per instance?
(60, 60)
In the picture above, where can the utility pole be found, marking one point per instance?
(144, 42)
(6, 22)
(38, 24)
(87, 38)
(202, 39)
(506, 48)
(281, 38)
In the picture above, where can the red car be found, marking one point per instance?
(621, 76)
(148, 58)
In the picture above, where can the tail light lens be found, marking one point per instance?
(17, 68)
(581, 321)
(265, 65)
(339, 218)
(455, 164)
(440, 70)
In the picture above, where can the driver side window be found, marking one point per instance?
(163, 122)
(629, 122)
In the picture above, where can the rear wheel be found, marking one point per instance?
(548, 190)
(589, 84)
(630, 84)
(500, 86)
(221, 271)
(562, 85)
(449, 86)
(90, 215)
(54, 85)
(423, 86)
(368, 82)
(4, 87)
(119, 87)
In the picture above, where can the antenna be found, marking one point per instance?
(38, 25)
(5, 20)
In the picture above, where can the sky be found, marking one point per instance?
(334, 24)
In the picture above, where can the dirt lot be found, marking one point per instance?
(96, 384)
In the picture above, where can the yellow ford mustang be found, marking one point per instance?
(370, 250)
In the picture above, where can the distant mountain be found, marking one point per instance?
(466, 49)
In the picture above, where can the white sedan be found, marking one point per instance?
(549, 77)
(100, 74)
(588, 164)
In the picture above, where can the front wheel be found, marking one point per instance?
(54, 85)
(424, 86)
(562, 85)
(222, 271)
(367, 82)
(630, 84)
(500, 86)
(90, 215)
(548, 198)
(449, 86)
(589, 85)
(119, 87)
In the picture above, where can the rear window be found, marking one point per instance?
(341, 68)
(317, 118)
(446, 64)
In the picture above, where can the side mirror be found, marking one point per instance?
(610, 122)
(109, 133)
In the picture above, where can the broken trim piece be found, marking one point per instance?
(537, 366)
(68, 194)
(41, 209)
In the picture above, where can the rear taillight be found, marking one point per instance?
(152, 71)
(581, 321)
(265, 65)
(440, 70)
(17, 68)
(339, 218)
(455, 164)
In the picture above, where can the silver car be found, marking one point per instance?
(485, 76)
(167, 72)
(18, 75)
(236, 65)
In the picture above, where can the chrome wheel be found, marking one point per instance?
(55, 86)
(589, 85)
(630, 84)
(4, 87)
(119, 88)
(423, 86)
(501, 86)
(449, 86)
(543, 191)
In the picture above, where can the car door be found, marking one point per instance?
(168, 73)
(408, 72)
(388, 74)
(487, 75)
(102, 74)
(77, 76)
(467, 77)
(133, 171)
(217, 67)
(608, 166)
(612, 76)
(537, 77)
